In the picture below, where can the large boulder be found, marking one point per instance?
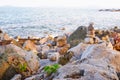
(15, 60)
(77, 36)
(95, 62)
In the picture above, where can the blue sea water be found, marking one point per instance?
(40, 22)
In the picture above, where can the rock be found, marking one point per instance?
(63, 50)
(17, 77)
(95, 62)
(32, 61)
(45, 48)
(102, 34)
(45, 62)
(117, 46)
(78, 50)
(50, 37)
(30, 46)
(43, 40)
(63, 28)
(42, 55)
(39, 48)
(61, 41)
(4, 36)
(105, 38)
(77, 36)
(66, 58)
(12, 57)
(53, 56)
(89, 40)
(44, 52)
(90, 27)
(36, 77)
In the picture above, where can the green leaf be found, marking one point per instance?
(51, 68)
(46, 68)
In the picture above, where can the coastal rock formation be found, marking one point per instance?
(95, 62)
(77, 36)
(15, 60)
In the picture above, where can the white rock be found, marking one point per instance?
(79, 49)
(31, 78)
(89, 40)
(17, 77)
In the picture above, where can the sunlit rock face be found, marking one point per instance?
(12, 57)
(30, 46)
(91, 62)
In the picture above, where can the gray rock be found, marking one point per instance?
(97, 62)
(77, 36)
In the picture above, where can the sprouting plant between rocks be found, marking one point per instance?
(51, 68)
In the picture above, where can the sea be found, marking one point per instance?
(40, 22)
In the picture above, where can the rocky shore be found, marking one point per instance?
(87, 54)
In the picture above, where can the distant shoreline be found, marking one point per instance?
(110, 10)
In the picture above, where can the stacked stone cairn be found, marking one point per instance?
(90, 37)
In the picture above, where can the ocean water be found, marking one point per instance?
(40, 22)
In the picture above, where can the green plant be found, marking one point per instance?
(51, 68)
(23, 67)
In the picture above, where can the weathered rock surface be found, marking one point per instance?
(11, 57)
(95, 62)
(77, 36)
